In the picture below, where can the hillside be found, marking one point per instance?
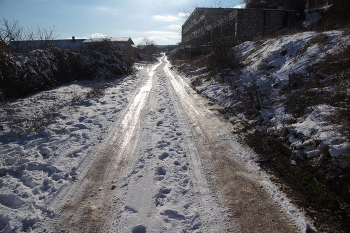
(288, 98)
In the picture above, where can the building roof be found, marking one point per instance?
(64, 43)
(33, 44)
(117, 39)
(68, 43)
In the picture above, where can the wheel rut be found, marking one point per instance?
(243, 191)
(159, 192)
(170, 166)
(89, 203)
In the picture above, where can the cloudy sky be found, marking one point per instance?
(158, 20)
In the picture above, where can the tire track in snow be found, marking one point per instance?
(160, 192)
(89, 203)
(154, 176)
(246, 192)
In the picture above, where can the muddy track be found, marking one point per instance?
(170, 165)
(251, 207)
(90, 202)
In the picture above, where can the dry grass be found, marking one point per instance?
(336, 64)
(337, 17)
(279, 33)
(37, 117)
(97, 90)
(319, 40)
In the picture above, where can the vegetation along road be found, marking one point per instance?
(170, 165)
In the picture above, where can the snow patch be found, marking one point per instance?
(36, 163)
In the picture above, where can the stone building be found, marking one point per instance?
(206, 25)
(124, 44)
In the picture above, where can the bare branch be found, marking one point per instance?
(11, 31)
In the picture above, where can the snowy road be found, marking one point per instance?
(170, 165)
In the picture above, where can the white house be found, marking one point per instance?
(125, 44)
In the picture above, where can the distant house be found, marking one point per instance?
(206, 25)
(125, 44)
(28, 45)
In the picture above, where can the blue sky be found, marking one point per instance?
(158, 20)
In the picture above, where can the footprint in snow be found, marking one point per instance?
(161, 196)
(173, 214)
(162, 144)
(139, 229)
(163, 156)
(160, 173)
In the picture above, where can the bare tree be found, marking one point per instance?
(10, 30)
(148, 48)
(37, 37)
(146, 41)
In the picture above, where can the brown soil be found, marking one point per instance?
(326, 208)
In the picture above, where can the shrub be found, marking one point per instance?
(337, 17)
(102, 59)
(319, 39)
(97, 90)
(28, 73)
(336, 64)
(323, 186)
(299, 102)
(39, 70)
(222, 55)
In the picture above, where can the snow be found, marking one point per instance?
(313, 16)
(48, 140)
(241, 155)
(282, 55)
(337, 150)
(55, 136)
(42, 155)
(44, 152)
(163, 189)
(268, 63)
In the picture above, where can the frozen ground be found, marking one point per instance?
(268, 66)
(145, 157)
(36, 165)
(284, 93)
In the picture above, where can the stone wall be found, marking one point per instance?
(253, 23)
(206, 25)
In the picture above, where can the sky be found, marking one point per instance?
(158, 20)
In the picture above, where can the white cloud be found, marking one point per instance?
(108, 9)
(103, 8)
(172, 36)
(137, 40)
(161, 37)
(98, 35)
(164, 33)
(240, 6)
(166, 18)
(175, 26)
(164, 40)
(171, 18)
(164, 36)
(183, 14)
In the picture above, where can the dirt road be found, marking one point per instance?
(170, 165)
